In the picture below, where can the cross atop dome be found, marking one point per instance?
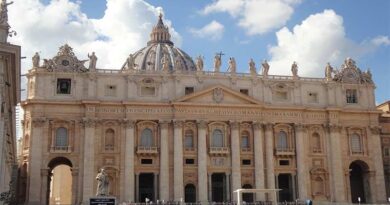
(160, 33)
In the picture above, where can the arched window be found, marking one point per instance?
(147, 138)
(217, 139)
(190, 193)
(189, 139)
(316, 142)
(109, 140)
(61, 137)
(282, 140)
(356, 144)
(245, 139)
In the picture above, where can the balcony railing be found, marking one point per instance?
(246, 150)
(219, 150)
(189, 149)
(61, 149)
(316, 150)
(141, 150)
(285, 151)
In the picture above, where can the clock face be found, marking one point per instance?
(65, 62)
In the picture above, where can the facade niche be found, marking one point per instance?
(109, 140)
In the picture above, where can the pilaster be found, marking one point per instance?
(164, 161)
(178, 158)
(89, 158)
(129, 160)
(202, 162)
(269, 150)
(236, 166)
(302, 169)
(259, 162)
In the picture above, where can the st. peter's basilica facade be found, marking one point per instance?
(165, 129)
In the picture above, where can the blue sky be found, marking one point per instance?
(282, 31)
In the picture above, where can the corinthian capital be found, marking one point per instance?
(163, 124)
(258, 125)
(202, 124)
(299, 127)
(335, 128)
(38, 121)
(269, 126)
(376, 130)
(234, 124)
(89, 122)
(178, 123)
(128, 123)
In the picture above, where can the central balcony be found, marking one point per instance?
(285, 151)
(219, 151)
(61, 149)
(147, 151)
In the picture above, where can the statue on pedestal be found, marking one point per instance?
(103, 182)
(165, 63)
(4, 12)
(294, 69)
(92, 61)
(328, 72)
(130, 62)
(232, 65)
(252, 67)
(35, 60)
(265, 66)
(199, 63)
(217, 62)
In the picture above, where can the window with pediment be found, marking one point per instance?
(147, 138)
(109, 140)
(245, 140)
(356, 144)
(217, 138)
(282, 140)
(61, 137)
(315, 143)
(189, 139)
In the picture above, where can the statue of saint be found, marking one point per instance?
(232, 65)
(217, 62)
(252, 67)
(4, 12)
(328, 71)
(35, 60)
(103, 182)
(92, 61)
(294, 69)
(165, 63)
(199, 63)
(265, 66)
(130, 62)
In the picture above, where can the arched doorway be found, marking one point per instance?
(247, 197)
(190, 193)
(59, 181)
(359, 182)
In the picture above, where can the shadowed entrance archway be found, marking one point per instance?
(218, 187)
(359, 181)
(59, 181)
(146, 187)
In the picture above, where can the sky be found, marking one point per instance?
(310, 32)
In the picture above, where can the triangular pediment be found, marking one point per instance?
(218, 94)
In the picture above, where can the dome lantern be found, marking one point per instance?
(160, 33)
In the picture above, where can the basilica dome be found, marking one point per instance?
(159, 50)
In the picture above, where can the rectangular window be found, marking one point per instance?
(356, 144)
(110, 90)
(148, 91)
(246, 162)
(189, 90)
(146, 161)
(386, 151)
(63, 85)
(351, 95)
(312, 97)
(284, 162)
(190, 161)
(244, 91)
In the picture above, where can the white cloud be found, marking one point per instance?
(255, 16)
(45, 28)
(319, 39)
(213, 30)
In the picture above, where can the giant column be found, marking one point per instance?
(164, 162)
(376, 155)
(34, 188)
(129, 161)
(259, 162)
(236, 166)
(178, 158)
(89, 172)
(301, 161)
(202, 162)
(336, 164)
(269, 151)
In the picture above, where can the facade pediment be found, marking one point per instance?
(218, 95)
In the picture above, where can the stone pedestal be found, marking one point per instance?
(102, 200)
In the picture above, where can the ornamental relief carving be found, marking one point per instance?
(39, 122)
(89, 122)
(128, 123)
(375, 130)
(218, 95)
